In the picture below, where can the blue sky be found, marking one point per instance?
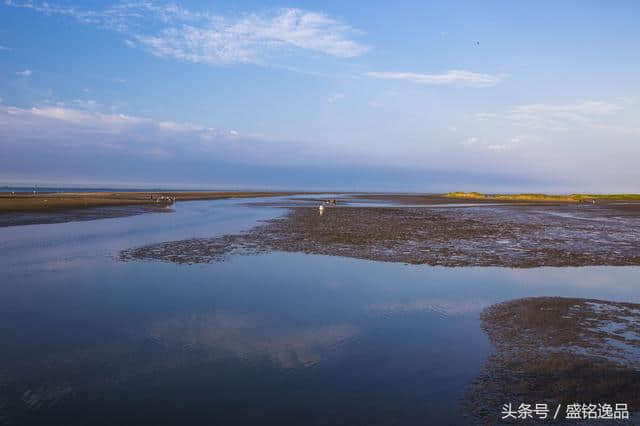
(406, 96)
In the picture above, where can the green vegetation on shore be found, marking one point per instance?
(574, 198)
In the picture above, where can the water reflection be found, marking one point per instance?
(250, 336)
(441, 306)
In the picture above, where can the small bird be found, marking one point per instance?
(321, 209)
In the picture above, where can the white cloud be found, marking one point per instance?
(627, 100)
(586, 107)
(561, 117)
(484, 116)
(4, 48)
(25, 73)
(204, 37)
(452, 77)
(477, 144)
(470, 141)
(586, 142)
(50, 139)
(129, 43)
(253, 38)
(89, 104)
(111, 123)
(499, 147)
(181, 127)
(514, 142)
(333, 97)
(60, 130)
(564, 117)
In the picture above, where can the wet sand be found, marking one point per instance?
(558, 351)
(22, 202)
(42, 208)
(76, 215)
(519, 235)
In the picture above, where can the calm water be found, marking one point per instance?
(272, 339)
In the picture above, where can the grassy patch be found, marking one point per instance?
(570, 198)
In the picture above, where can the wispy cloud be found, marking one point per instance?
(497, 144)
(63, 122)
(79, 125)
(484, 116)
(204, 37)
(500, 147)
(333, 97)
(596, 135)
(452, 77)
(25, 73)
(561, 117)
(4, 48)
(556, 117)
(253, 38)
(586, 107)
(470, 141)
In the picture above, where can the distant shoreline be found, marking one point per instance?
(569, 198)
(56, 201)
(60, 207)
(49, 200)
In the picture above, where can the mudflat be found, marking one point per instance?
(558, 351)
(41, 208)
(512, 235)
(76, 215)
(70, 200)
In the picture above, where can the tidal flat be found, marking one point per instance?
(32, 208)
(510, 235)
(559, 351)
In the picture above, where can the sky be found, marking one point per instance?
(409, 96)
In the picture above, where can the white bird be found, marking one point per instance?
(321, 209)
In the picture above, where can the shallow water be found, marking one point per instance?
(281, 338)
